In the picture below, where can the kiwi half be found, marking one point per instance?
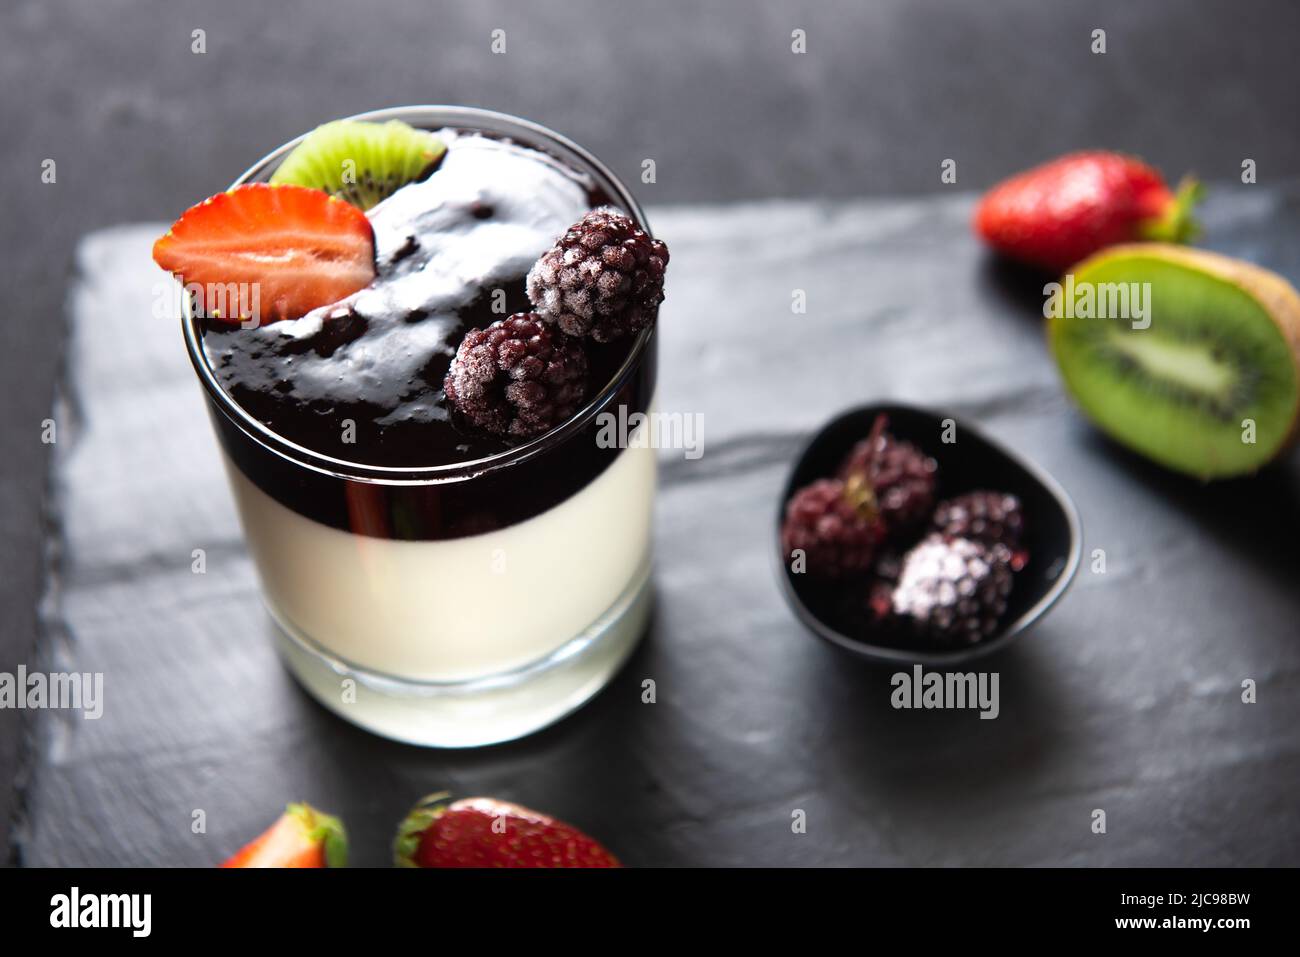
(361, 162)
(1210, 387)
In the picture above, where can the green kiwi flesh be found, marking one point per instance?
(361, 163)
(1210, 388)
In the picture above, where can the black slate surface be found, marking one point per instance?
(1125, 698)
(114, 93)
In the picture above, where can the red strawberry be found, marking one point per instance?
(484, 832)
(302, 837)
(1056, 214)
(298, 248)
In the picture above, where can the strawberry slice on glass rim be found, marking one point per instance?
(267, 253)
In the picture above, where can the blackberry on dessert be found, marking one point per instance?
(604, 278)
(518, 377)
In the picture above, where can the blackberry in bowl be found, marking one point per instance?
(957, 569)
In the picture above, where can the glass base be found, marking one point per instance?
(466, 714)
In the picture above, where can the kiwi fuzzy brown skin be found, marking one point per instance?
(1268, 291)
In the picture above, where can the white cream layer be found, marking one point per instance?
(462, 608)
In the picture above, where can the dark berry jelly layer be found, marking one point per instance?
(473, 504)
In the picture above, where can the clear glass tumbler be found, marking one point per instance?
(464, 604)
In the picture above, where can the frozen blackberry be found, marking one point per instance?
(604, 278)
(994, 518)
(900, 476)
(953, 591)
(518, 377)
(837, 530)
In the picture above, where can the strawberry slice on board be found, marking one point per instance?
(301, 837)
(485, 832)
(296, 249)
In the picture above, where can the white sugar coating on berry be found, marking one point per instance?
(479, 221)
(953, 589)
(929, 572)
(517, 377)
(603, 278)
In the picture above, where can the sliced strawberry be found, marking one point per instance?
(297, 248)
(302, 837)
(484, 832)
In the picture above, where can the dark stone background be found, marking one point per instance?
(141, 127)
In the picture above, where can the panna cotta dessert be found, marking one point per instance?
(413, 328)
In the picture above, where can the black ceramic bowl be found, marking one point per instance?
(974, 461)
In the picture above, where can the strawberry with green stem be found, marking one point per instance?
(301, 837)
(1063, 211)
(485, 832)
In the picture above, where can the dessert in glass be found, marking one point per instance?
(411, 328)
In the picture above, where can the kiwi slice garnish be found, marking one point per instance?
(361, 162)
(1210, 386)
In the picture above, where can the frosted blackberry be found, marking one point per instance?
(953, 591)
(900, 476)
(994, 518)
(518, 377)
(604, 278)
(837, 532)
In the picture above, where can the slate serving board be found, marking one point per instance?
(1126, 698)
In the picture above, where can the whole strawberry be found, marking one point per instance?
(484, 832)
(1059, 213)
